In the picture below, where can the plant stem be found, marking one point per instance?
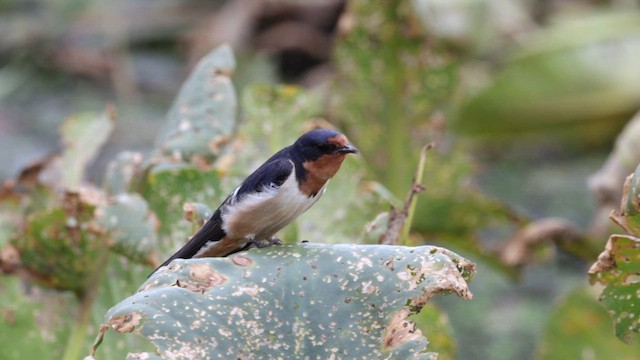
(412, 207)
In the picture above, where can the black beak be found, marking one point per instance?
(348, 149)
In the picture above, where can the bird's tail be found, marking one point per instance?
(210, 232)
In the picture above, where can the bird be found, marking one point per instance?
(269, 199)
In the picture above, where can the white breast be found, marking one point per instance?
(261, 215)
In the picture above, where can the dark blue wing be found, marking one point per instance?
(271, 174)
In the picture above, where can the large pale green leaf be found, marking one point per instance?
(202, 117)
(82, 136)
(320, 301)
(580, 328)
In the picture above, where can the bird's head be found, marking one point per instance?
(323, 142)
(320, 152)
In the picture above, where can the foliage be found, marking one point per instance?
(94, 241)
(69, 229)
(266, 301)
(505, 90)
(618, 266)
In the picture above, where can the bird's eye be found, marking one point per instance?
(325, 147)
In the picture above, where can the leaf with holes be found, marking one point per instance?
(308, 300)
(618, 267)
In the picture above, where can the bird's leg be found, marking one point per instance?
(266, 242)
(275, 241)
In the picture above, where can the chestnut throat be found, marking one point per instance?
(316, 173)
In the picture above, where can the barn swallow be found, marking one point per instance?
(273, 196)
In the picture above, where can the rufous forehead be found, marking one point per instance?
(339, 140)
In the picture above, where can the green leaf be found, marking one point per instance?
(579, 328)
(345, 301)
(35, 325)
(618, 267)
(131, 226)
(82, 136)
(202, 117)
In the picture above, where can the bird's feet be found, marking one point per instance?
(266, 242)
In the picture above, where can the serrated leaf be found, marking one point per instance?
(202, 117)
(82, 136)
(131, 226)
(618, 267)
(326, 301)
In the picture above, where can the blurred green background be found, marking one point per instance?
(530, 105)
